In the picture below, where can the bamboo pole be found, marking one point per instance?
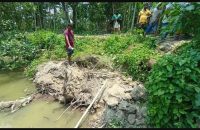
(77, 125)
(133, 20)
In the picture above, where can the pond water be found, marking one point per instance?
(37, 114)
(13, 86)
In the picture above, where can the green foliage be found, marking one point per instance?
(129, 51)
(45, 39)
(184, 19)
(194, 44)
(88, 46)
(31, 69)
(174, 88)
(16, 52)
(130, 54)
(135, 62)
(115, 123)
(116, 44)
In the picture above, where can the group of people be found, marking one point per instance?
(149, 19)
(152, 19)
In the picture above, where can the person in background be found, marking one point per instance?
(143, 16)
(165, 21)
(117, 18)
(69, 41)
(154, 20)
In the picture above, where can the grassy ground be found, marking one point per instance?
(129, 52)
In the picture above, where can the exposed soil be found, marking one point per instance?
(81, 81)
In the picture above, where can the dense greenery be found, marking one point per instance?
(32, 33)
(173, 86)
(127, 51)
(174, 90)
(115, 123)
(184, 19)
(16, 52)
(132, 54)
(88, 17)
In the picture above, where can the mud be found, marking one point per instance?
(78, 82)
(13, 106)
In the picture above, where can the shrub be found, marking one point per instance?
(135, 61)
(115, 123)
(116, 44)
(19, 49)
(45, 39)
(131, 54)
(174, 91)
(17, 52)
(31, 69)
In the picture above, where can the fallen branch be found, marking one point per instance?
(100, 95)
(99, 92)
(67, 109)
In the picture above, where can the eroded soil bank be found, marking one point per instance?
(80, 82)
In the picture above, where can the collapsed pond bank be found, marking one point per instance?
(79, 83)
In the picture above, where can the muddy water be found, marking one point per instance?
(37, 114)
(40, 114)
(13, 86)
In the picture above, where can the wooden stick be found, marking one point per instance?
(66, 110)
(101, 94)
(77, 125)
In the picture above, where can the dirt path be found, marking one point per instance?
(169, 45)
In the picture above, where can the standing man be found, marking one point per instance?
(117, 18)
(153, 24)
(143, 16)
(165, 21)
(114, 22)
(69, 40)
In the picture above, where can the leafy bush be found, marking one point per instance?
(135, 61)
(180, 19)
(132, 54)
(45, 39)
(194, 44)
(174, 91)
(115, 123)
(31, 69)
(16, 52)
(116, 44)
(88, 46)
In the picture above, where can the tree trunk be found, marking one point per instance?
(74, 14)
(113, 9)
(37, 18)
(35, 21)
(65, 12)
(129, 17)
(54, 19)
(133, 20)
(41, 14)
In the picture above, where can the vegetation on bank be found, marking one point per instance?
(130, 51)
(172, 84)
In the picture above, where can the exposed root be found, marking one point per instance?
(13, 106)
(78, 85)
